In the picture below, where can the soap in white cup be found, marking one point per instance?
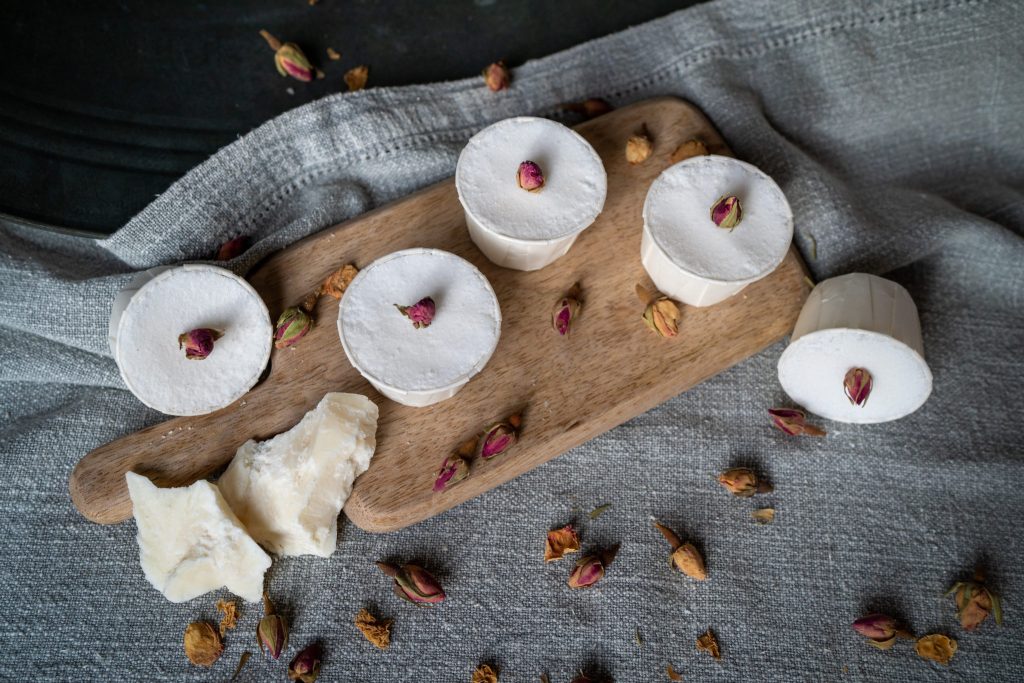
(419, 366)
(163, 303)
(850, 322)
(688, 256)
(520, 229)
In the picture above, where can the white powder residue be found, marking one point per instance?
(678, 214)
(177, 301)
(575, 183)
(383, 344)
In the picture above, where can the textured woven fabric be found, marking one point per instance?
(896, 130)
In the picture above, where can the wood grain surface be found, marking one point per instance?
(609, 369)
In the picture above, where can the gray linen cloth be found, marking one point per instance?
(896, 130)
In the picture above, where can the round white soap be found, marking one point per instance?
(520, 229)
(419, 366)
(174, 302)
(857, 321)
(692, 259)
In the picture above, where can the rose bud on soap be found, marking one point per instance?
(857, 386)
(198, 343)
(414, 584)
(727, 212)
(420, 313)
(529, 176)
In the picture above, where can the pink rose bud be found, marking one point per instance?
(305, 668)
(420, 313)
(727, 212)
(232, 248)
(198, 343)
(566, 310)
(792, 421)
(880, 630)
(414, 584)
(529, 176)
(588, 571)
(500, 437)
(292, 326)
(857, 385)
(290, 60)
(453, 470)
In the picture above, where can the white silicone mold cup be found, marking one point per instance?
(419, 367)
(691, 259)
(857, 321)
(529, 230)
(162, 303)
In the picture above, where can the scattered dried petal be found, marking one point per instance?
(232, 248)
(763, 515)
(333, 54)
(672, 674)
(377, 631)
(337, 282)
(501, 436)
(600, 510)
(420, 313)
(638, 148)
(559, 542)
(742, 482)
(497, 76)
(727, 212)
(529, 176)
(708, 643)
(230, 618)
(203, 645)
(975, 601)
(356, 77)
(590, 108)
(857, 386)
(690, 148)
(936, 647)
(414, 584)
(792, 421)
(689, 561)
(305, 668)
(485, 674)
(198, 343)
(241, 664)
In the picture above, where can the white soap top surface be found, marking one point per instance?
(575, 182)
(677, 213)
(383, 344)
(182, 299)
(812, 369)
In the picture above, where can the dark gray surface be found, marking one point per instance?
(895, 130)
(104, 104)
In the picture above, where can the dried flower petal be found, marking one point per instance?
(742, 482)
(688, 560)
(672, 674)
(690, 148)
(203, 645)
(356, 77)
(708, 643)
(337, 282)
(763, 515)
(590, 108)
(414, 584)
(377, 631)
(333, 54)
(497, 76)
(289, 59)
(559, 542)
(529, 176)
(230, 618)
(583, 678)
(670, 536)
(727, 212)
(232, 248)
(975, 601)
(638, 148)
(241, 664)
(293, 324)
(936, 647)
(305, 667)
(272, 631)
(857, 385)
(500, 437)
(600, 510)
(198, 343)
(485, 674)
(420, 313)
(792, 422)
(567, 310)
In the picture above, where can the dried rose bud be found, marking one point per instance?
(232, 248)
(559, 542)
(529, 176)
(743, 482)
(590, 108)
(690, 148)
(857, 385)
(792, 422)
(974, 602)
(500, 437)
(454, 469)
(271, 632)
(663, 316)
(566, 310)
(289, 59)
(708, 643)
(936, 647)
(638, 149)
(590, 569)
(726, 212)
(203, 645)
(497, 76)
(292, 326)
(685, 557)
(880, 630)
(420, 313)
(485, 673)
(305, 668)
(198, 343)
(356, 77)
(414, 584)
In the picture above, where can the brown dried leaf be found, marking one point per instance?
(763, 515)
(230, 618)
(202, 643)
(333, 54)
(337, 282)
(377, 631)
(485, 674)
(241, 664)
(672, 674)
(559, 542)
(708, 643)
(936, 647)
(690, 148)
(355, 78)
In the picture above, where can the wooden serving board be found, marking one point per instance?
(609, 369)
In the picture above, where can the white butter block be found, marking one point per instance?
(289, 490)
(190, 542)
(857, 321)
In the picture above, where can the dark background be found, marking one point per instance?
(104, 104)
